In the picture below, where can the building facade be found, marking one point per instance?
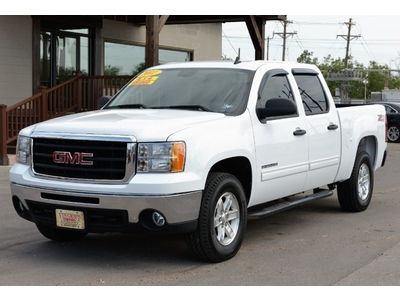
(37, 51)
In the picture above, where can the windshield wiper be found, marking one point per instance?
(137, 105)
(190, 107)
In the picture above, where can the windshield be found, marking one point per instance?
(204, 89)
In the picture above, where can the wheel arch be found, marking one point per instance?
(369, 145)
(238, 166)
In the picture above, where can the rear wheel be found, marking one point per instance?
(222, 219)
(393, 134)
(60, 235)
(355, 193)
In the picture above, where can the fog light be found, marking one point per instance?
(158, 219)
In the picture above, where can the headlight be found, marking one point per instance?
(23, 150)
(161, 157)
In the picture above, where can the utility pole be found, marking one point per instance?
(348, 37)
(284, 35)
(267, 47)
(344, 85)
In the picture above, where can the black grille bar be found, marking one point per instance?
(77, 199)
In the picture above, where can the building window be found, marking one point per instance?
(63, 54)
(122, 59)
(167, 55)
(128, 59)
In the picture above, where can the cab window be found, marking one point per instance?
(275, 87)
(312, 94)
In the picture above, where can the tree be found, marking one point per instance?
(111, 70)
(307, 57)
(139, 68)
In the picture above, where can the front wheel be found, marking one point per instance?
(222, 219)
(355, 193)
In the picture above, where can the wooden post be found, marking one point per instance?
(97, 65)
(256, 28)
(152, 40)
(3, 135)
(78, 88)
(35, 54)
(44, 105)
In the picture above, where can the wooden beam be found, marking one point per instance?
(256, 28)
(152, 40)
(201, 19)
(97, 51)
(3, 135)
(35, 54)
(161, 22)
(260, 54)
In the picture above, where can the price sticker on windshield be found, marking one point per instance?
(147, 77)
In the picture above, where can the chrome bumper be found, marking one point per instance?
(177, 208)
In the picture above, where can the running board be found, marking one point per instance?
(285, 204)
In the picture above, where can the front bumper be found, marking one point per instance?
(109, 212)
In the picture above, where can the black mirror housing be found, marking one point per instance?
(277, 107)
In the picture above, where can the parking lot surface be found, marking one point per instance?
(316, 244)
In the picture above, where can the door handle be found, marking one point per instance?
(332, 127)
(299, 131)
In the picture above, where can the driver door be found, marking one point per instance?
(281, 142)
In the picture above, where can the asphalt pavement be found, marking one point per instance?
(316, 244)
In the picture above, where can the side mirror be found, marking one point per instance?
(103, 101)
(277, 107)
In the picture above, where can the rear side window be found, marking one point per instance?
(312, 94)
(275, 87)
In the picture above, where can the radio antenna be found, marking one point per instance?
(237, 60)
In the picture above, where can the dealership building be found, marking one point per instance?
(47, 50)
(55, 65)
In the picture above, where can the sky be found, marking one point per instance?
(316, 22)
(380, 38)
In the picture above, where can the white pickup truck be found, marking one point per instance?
(198, 148)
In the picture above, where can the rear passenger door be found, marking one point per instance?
(323, 128)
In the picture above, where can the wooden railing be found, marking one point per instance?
(94, 87)
(75, 95)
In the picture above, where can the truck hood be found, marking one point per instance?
(143, 124)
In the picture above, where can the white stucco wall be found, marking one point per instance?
(203, 39)
(15, 58)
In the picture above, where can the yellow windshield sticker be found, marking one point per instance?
(147, 77)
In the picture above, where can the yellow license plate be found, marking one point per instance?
(70, 219)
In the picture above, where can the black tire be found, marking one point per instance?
(393, 134)
(203, 241)
(347, 191)
(60, 235)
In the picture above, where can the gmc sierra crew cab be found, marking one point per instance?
(198, 148)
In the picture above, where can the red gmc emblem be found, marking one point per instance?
(77, 158)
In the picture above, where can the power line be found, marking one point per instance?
(379, 41)
(315, 23)
(364, 45)
(299, 43)
(224, 35)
